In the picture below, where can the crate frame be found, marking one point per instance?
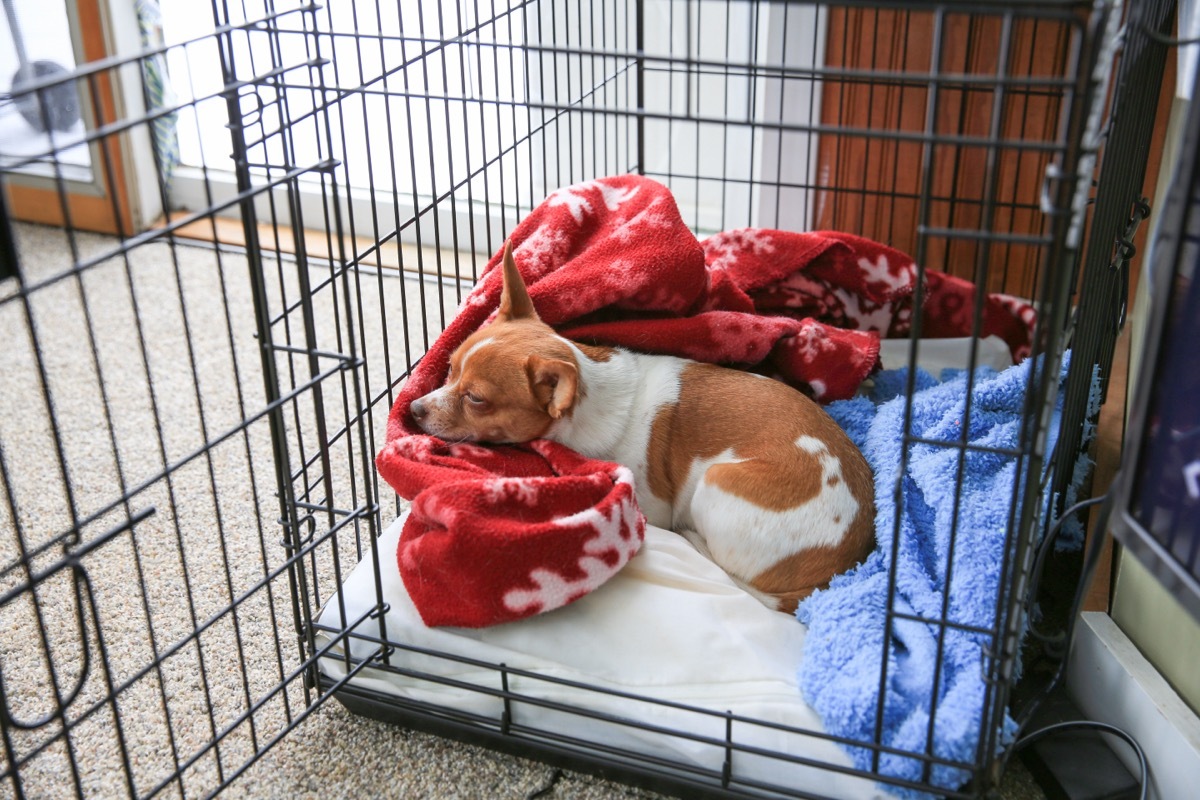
(300, 368)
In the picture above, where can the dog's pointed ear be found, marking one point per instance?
(555, 384)
(514, 298)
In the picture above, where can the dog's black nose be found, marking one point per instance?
(418, 409)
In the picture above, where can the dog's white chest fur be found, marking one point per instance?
(614, 417)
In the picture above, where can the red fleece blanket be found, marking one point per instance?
(500, 533)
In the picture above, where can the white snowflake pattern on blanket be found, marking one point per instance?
(523, 490)
(862, 314)
(879, 272)
(553, 589)
(725, 249)
(575, 198)
(649, 218)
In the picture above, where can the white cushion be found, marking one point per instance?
(935, 355)
(670, 626)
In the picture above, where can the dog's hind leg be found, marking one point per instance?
(729, 531)
(697, 541)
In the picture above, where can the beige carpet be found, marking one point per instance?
(143, 369)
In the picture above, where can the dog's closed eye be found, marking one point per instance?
(476, 402)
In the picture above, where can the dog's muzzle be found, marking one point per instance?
(418, 409)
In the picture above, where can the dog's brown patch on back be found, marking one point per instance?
(760, 480)
(716, 411)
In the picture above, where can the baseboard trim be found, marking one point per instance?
(1111, 681)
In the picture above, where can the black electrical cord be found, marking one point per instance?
(1090, 559)
(1164, 40)
(1039, 564)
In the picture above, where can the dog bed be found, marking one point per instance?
(670, 627)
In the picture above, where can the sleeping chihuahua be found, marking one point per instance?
(757, 476)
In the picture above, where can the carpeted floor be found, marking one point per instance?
(124, 391)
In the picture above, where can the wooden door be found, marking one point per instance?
(969, 127)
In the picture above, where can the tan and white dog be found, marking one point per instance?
(757, 476)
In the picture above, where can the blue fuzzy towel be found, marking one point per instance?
(840, 666)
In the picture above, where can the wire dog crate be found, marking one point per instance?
(194, 395)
